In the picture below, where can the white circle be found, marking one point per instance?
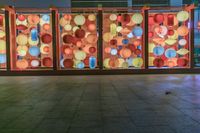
(182, 42)
(113, 17)
(113, 51)
(35, 63)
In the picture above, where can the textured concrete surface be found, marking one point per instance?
(100, 104)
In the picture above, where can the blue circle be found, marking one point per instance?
(170, 53)
(137, 31)
(46, 18)
(2, 58)
(34, 51)
(125, 41)
(158, 50)
(80, 65)
(92, 62)
(34, 34)
(113, 51)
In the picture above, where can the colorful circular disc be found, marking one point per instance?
(137, 18)
(158, 62)
(182, 16)
(79, 20)
(170, 53)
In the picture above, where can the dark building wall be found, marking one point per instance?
(188, 1)
(95, 3)
(91, 3)
(124, 3)
(36, 3)
(151, 2)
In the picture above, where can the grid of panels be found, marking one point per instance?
(169, 40)
(123, 40)
(78, 41)
(33, 48)
(122, 43)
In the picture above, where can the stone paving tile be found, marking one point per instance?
(116, 124)
(11, 131)
(155, 129)
(52, 126)
(187, 129)
(100, 104)
(85, 130)
(86, 123)
(119, 128)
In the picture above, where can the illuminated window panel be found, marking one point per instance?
(169, 44)
(123, 40)
(33, 49)
(2, 42)
(78, 41)
(197, 38)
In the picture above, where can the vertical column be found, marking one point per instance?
(100, 42)
(54, 14)
(13, 39)
(9, 12)
(192, 39)
(146, 39)
(8, 42)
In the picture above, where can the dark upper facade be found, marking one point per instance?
(125, 3)
(36, 3)
(92, 3)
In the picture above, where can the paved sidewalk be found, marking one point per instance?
(100, 104)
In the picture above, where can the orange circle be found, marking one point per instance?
(125, 53)
(46, 26)
(182, 30)
(107, 50)
(137, 43)
(46, 49)
(91, 27)
(113, 63)
(68, 51)
(67, 17)
(78, 43)
(22, 64)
